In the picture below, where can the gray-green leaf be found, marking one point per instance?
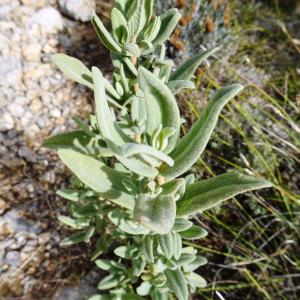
(208, 193)
(169, 21)
(158, 213)
(104, 35)
(166, 244)
(176, 86)
(119, 26)
(99, 177)
(162, 109)
(176, 282)
(187, 69)
(194, 233)
(188, 150)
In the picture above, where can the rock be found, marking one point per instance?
(80, 10)
(7, 122)
(34, 3)
(12, 258)
(3, 206)
(27, 153)
(32, 52)
(10, 71)
(16, 110)
(49, 19)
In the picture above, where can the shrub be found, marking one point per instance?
(133, 191)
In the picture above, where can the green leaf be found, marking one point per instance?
(76, 140)
(119, 26)
(144, 288)
(162, 109)
(152, 30)
(99, 177)
(187, 69)
(138, 111)
(176, 86)
(127, 225)
(132, 49)
(137, 166)
(188, 150)
(104, 35)
(195, 280)
(72, 240)
(139, 13)
(109, 282)
(89, 234)
(147, 249)
(177, 245)
(73, 68)
(157, 214)
(181, 225)
(194, 233)
(71, 222)
(130, 149)
(126, 252)
(159, 294)
(110, 266)
(176, 282)
(123, 5)
(169, 21)
(71, 195)
(208, 193)
(107, 125)
(166, 244)
(195, 264)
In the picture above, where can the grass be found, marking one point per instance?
(254, 241)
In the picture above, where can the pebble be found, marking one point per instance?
(32, 52)
(7, 122)
(34, 3)
(12, 258)
(80, 10)
(16, 110)
(49, 19)
(10, 71)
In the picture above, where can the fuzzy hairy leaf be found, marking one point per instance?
(166, 244)
(194, 233)
(176, 282)
(119, 26)
(130, 149)
(169, 21)
(140, 13)
(187, 69)
(73, 239)
(76, 140)
(188, 150)
(107, 125)
(73, 68)
(162, 109)
(181, 225)
(147, 249)
(195, 280)
(177, 245)
(208, 193)
(99, 177)
(157, 214)
(195, 264)
(126, 225)
(176, 86)
(105, 37)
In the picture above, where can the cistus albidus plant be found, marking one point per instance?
(133, 192)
